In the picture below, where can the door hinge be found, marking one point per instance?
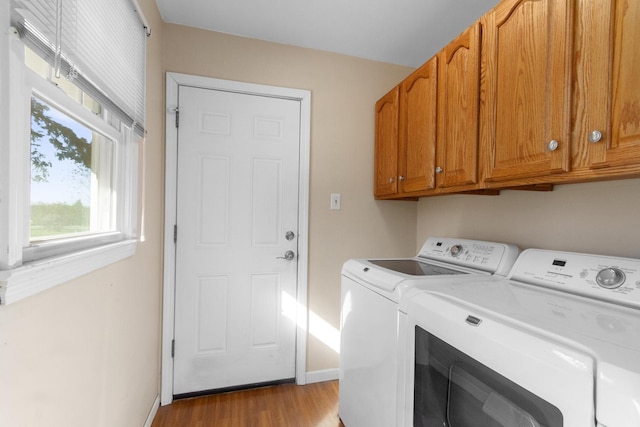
(175, 233)
(173, 348)
(177, 110)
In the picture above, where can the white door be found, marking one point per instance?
(237, 217)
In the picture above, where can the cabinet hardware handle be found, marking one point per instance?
(401, 178)
(438, 169)
(595, 136)
(553, 145)
(390, 180)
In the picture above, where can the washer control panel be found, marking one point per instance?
(492, 257)
(601, 277)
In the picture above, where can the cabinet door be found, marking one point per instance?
(525, 89)
(624, 147)
(458, 106)
(418, 103)
(386, 145)
(591, 84)
(606, 124)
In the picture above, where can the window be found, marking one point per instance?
(73, 183)
(71, 176)
(68, 185)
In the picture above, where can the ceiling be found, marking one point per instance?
(404, 32)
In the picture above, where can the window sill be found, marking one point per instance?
(37, 276)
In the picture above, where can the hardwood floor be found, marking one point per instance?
(287, 405)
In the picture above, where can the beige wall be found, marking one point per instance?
(86, 353)
(600, 217)
(344, 90)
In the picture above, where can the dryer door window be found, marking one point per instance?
(454, 390)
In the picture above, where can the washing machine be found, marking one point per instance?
(555, 344)
(371, 290)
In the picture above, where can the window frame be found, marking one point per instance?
(27, 269)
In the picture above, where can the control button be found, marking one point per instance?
(610, 278)
(456, 250)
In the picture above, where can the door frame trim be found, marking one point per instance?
(173, 82)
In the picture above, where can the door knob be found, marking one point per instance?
(289, 255)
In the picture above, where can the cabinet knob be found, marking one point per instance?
(401, 178)
(438, 169)
(390, 180)
(595, 136)
(553, 145)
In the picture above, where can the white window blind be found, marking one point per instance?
(99, 44)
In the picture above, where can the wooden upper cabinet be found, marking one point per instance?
(606, 92)
(386, 145)
(537, 92)
(458, 107)
(417, 142)
(525, 95)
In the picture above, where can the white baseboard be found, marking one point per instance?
(323, 375)
(152, 413)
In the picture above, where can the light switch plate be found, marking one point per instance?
(336, 201)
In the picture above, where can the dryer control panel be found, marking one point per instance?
(492, 257)
(601, 277)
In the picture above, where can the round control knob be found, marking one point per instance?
(553, 145)
(456, 250)
(610, 278)
(595, 136)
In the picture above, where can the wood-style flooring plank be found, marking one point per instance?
(287, 405)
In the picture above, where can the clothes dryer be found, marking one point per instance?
(557, 344)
